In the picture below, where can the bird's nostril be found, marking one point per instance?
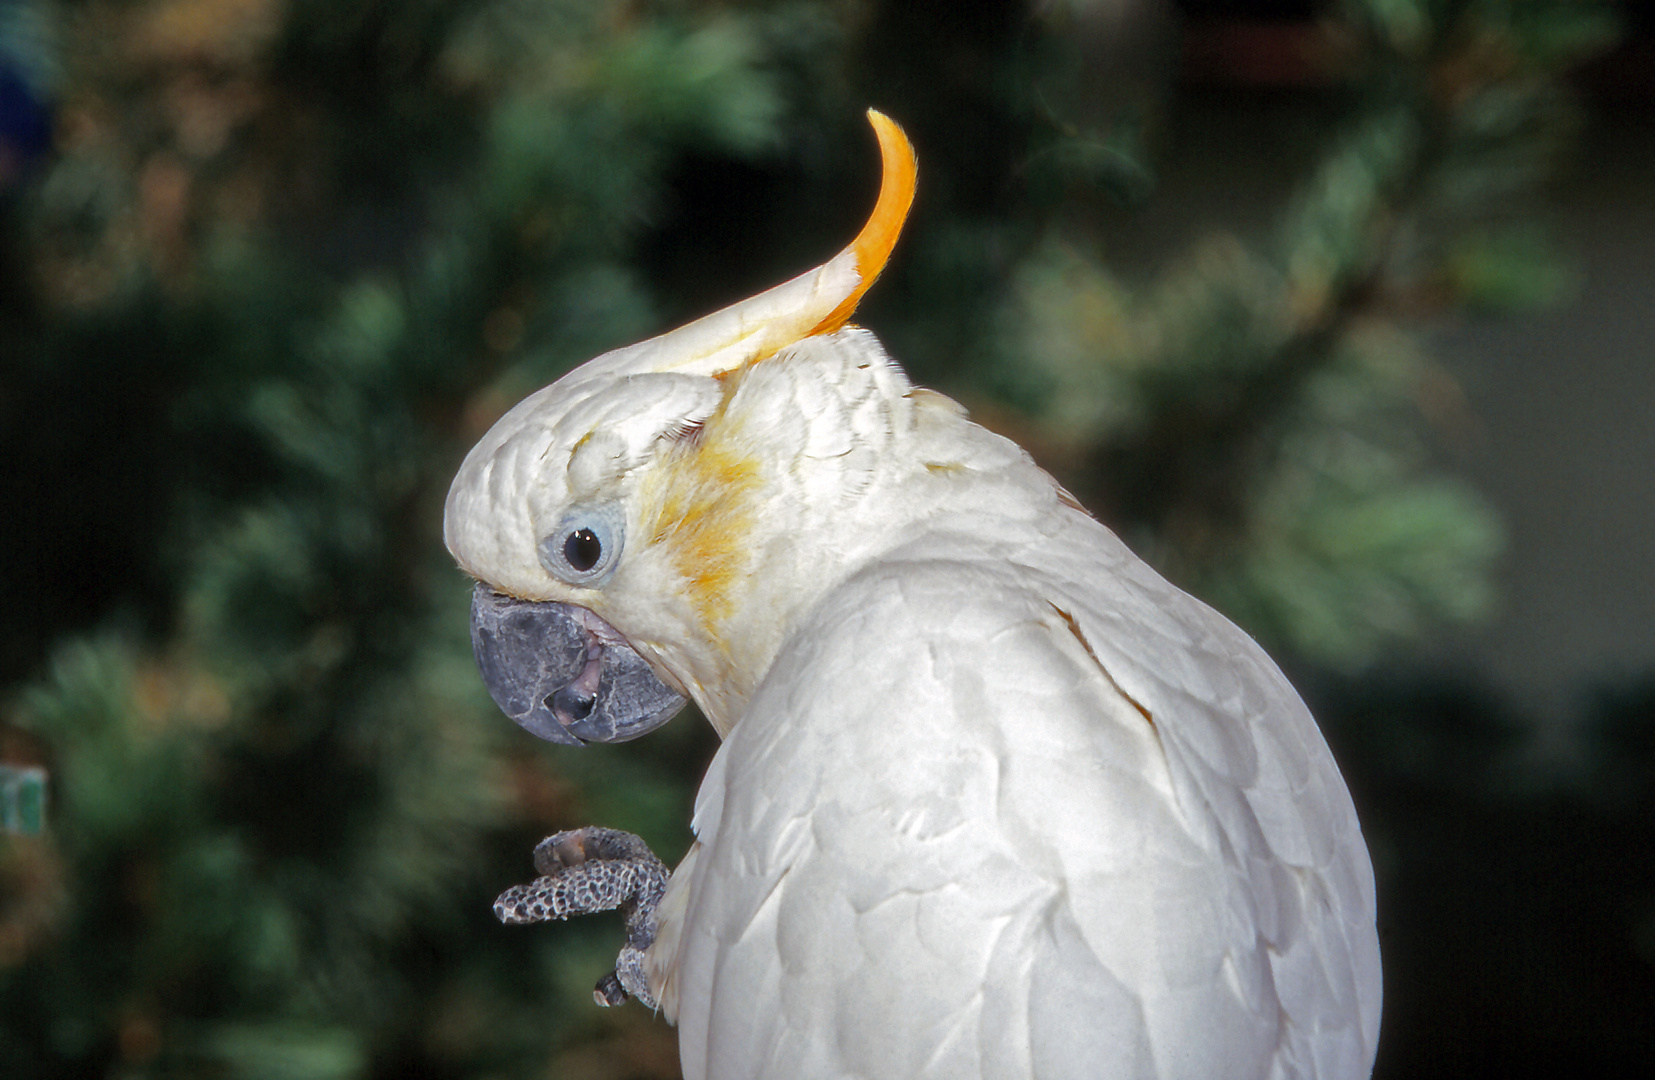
(570, 704)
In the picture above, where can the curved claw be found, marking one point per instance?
(562, 673)
(609, 992)
(590, 870)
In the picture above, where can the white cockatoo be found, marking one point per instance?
(994, 799)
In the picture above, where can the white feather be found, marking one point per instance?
(946, 840)
(996, 800)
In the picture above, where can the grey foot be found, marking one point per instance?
(588, 870)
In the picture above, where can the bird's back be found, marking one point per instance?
(1021, 808)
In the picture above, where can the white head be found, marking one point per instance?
(642, 485)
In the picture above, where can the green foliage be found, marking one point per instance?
(1513, 270)
(283, 817)
(1246, 418)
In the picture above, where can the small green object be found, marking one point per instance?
(22, 799)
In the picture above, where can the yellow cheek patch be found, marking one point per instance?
(704, 495)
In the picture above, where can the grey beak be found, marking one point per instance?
(562, 673)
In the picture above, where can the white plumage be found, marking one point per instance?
(994, 799)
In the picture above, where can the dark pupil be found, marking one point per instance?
(582, 549)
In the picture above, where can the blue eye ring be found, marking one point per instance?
(585, 547)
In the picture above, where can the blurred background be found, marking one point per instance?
(1339, 312)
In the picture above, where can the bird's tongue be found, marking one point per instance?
(564, 674)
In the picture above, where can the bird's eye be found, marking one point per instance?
(584, 548)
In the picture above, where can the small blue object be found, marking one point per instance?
(22, 799)
(30, 71)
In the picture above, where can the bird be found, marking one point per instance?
(992, 797)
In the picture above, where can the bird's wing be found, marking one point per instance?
(1255, 782)
(943, 843)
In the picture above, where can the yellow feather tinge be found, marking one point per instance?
(818, 301)
(873, 245)
(700, 504)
